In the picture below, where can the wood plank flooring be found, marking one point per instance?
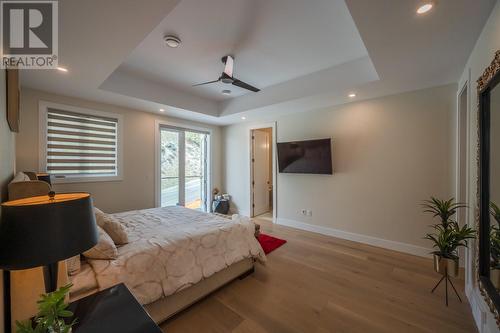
(320, 284)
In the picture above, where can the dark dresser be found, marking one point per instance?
(112, 310)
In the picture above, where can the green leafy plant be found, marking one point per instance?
(495, 237)
(495, 211)
(448, 236)
(52, 310)
(495, 247)
(448, 239)
(445, 209)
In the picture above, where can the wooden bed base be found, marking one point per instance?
(167, 307)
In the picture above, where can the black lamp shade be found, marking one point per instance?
(40, 231)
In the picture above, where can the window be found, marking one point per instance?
(79, 144)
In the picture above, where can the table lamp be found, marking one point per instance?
(43, 230)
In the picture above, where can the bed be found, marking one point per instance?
(175, 256)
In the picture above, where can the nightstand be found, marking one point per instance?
(112, 310)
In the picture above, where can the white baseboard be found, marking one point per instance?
(379, 242)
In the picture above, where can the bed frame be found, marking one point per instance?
(165, 308)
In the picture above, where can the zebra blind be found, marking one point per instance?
(81, 144)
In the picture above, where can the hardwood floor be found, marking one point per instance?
(320, 284)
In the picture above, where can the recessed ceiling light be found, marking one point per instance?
(352, 95)
(226, 92)
(162, 110)
(243, 117)
(62, 69)
(424, 8)
(172, 41)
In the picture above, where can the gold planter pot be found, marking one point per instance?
(443, 265)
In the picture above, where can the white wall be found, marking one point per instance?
(7, 165)
(389, 154)
(137, 189)
(480, 58)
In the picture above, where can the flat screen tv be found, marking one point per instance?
(311, 156)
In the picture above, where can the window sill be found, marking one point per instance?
(71, 180)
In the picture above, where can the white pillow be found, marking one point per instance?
(20, 177)
(112, 226)
(105, 248)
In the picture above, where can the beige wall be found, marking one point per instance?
(7, 165)
(388, 154)
(480, 58)
(137, 189)
(7, 144)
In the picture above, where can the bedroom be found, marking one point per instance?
(393, 89)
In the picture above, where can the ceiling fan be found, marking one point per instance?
(227, 76)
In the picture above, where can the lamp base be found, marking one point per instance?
(7, 302)
(50, 272)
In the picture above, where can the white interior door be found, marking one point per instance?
(261, 172)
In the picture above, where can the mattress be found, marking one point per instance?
(171, 249)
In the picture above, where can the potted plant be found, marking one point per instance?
(495, 246)
(495, 211)
(52, 311)
(215, 191)
(448, 236)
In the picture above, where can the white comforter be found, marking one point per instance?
(173, 248)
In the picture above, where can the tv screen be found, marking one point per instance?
(311, 156)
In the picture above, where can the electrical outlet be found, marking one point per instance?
(304, 212)
(309, 212)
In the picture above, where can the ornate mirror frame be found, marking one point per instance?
(490, 78)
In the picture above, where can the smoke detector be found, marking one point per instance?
(172, 41)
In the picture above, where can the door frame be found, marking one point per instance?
(462, 167)
(273, 127)
(157, 169)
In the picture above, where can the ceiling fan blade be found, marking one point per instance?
(201, 84)
(244, 85)
(228, 68)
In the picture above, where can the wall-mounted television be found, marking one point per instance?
(311, 156)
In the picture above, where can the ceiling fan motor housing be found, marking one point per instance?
(226, 79)
(227, 76)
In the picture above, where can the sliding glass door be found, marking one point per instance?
(183, 167)
(195, 170)
(170, 175)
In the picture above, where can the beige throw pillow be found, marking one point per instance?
(20, 177)
(73, 264)
(97, 212)
(105, 248)
(112, 226)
